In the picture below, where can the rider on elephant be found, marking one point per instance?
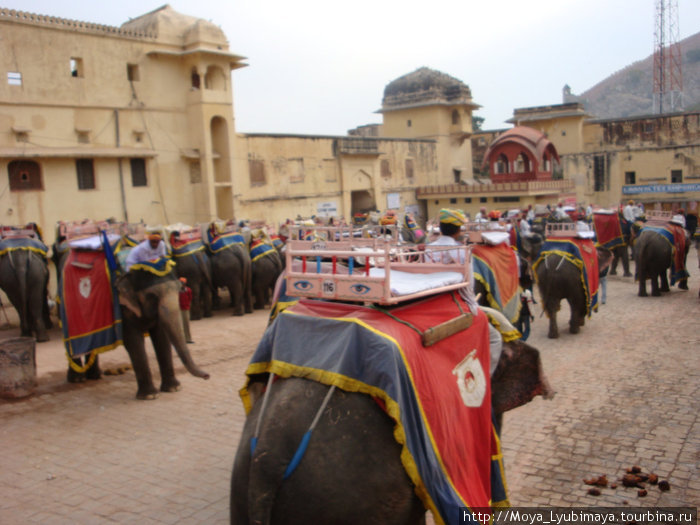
(151, 249)
(451, 222)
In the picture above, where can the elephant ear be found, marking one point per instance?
(127, 295)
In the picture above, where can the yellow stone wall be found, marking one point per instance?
(101, 115)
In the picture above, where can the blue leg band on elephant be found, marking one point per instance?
(437, 396)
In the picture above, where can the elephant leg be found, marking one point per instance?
(206, 298)
(576, 321)
(75, 377)
(655, 290)
(663, 278)
(164, 354)
(259, 303)
(553, 329)
(613, 265)
(94, 372)
(136, 348)
(626, 264)
(237, 298)
(642, 277)
(196, 304)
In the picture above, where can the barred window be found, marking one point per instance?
(24, 175)
(138, 172)
(601, 181)
(85, 169)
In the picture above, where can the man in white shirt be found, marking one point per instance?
(629, 211)
(153, 248)
(482, 216)
(559, 213)
(451, 222)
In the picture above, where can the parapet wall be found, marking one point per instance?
(23, 17)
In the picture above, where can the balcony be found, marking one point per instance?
(355, 146)
(549, 187)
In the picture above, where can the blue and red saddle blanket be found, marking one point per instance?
(260, 248)
(608, 230)
(216, 243)
(23, 243)
(91, 318)
(497, 268)
(583, 254)
(675, 235)
(438, 396)
(187, 247)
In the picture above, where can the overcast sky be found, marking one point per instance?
(319, 67)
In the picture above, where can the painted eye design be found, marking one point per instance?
(303, 285)
(360, 289)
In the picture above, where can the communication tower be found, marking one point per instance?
(668, 76)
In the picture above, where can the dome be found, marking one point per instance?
(423, 86)
(172, 27)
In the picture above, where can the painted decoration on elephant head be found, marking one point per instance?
(471, 380)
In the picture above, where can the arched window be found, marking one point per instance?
(546, 163)
(24, 175)
(455, 117)
(215, 79)
(522, 164)
(196, 82)
(501, 164)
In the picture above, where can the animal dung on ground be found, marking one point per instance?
(600, 481)
(632, 480)
(635, 477)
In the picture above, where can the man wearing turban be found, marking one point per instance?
(151, 249)
(451, 222)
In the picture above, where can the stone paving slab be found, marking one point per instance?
(627, 394)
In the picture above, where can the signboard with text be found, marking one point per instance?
(327, 209)
(660, 188)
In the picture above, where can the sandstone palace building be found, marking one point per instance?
(137, 123)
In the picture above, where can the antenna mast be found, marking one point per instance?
(668, 76)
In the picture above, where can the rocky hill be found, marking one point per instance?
(629, 92)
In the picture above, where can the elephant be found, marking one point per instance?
(654, 256)
(352, 470)
(24, 277)
(266, 267)
(147, 303)
(150, 304)
(559, 278)
(620, 254)
(195, 266)
(231, 268)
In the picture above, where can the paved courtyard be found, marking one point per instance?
(628, 393)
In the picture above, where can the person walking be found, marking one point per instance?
(526, 317)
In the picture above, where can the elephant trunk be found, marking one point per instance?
(169, 315)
